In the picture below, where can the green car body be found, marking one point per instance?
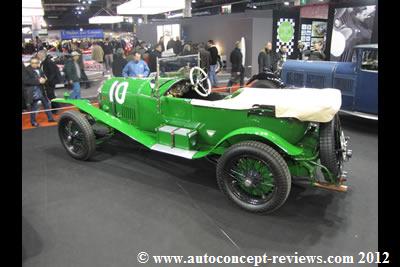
(142, 110)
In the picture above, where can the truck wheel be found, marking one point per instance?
(264, 84)
(76, 135)
(254, 176)
(330, 147)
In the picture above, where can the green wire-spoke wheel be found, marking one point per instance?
(254, 176)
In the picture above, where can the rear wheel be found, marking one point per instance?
(330, 146)
(254, 176)
(76, 135)
(264, 84)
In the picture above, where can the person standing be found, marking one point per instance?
(141, 48)
(317, 54)
(213, 64)
(73, 74)
(282, 56)
(84, 77)
(205, 57)
(156, 53)
(178, 46)
(136, 68)
(267, 59)
(108, 54)
(161, 42)
(171, 44)
(97, 53)
(237, 71)
(119, 63)
(33, 80)
(53, 75)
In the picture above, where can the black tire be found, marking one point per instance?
(264, 84)
(274, 163)
(329, 146)
(76, 135)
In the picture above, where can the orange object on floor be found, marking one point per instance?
(41, 118)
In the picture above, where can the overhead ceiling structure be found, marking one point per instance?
(31, 9)
(149, 7)
(109, 19)
(64, 14)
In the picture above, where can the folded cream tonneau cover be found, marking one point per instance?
(305, 104)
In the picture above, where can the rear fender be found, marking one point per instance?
(248, 133)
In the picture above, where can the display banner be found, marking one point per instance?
(351, 26)
(84, 34)
(285, 29)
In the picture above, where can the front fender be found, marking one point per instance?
(110, 120)
(247, 132)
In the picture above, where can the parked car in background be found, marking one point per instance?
(357, 80)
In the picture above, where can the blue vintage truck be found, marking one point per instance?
(357, 80)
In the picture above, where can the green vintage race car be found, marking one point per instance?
(258, 138)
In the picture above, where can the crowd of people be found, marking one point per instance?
(133, 58)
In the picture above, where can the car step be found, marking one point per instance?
(174, 151)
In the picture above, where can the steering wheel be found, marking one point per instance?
(201, 76)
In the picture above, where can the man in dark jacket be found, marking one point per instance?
(267, 59)
(108, 54)
(171, 44)
(237, 72)
(317, 54)
(53, 76)
(178, 46)
(156, 53)
(213, 64)
(205, 57)
(33, 80)
(119, 63)
(73, 74)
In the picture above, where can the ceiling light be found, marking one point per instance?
(286, 3)
(149, 7)
(84, 2)
(140, 20)
(106, 19)
(89, 2)
(79, 12)
(193, 1)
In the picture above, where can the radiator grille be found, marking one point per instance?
(344, 85)
(315, 81)
(128, 114)
(295, 79)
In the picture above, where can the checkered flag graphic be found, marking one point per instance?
(290, 44)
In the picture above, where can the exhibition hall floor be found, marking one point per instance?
(129, 199)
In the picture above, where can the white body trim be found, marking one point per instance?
(174, 151)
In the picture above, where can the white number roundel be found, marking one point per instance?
(115, 92)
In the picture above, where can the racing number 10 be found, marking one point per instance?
(115, 92)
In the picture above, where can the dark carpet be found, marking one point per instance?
(129, 199)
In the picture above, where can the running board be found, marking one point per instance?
(332, 187)
(360, 114)
(174, 151)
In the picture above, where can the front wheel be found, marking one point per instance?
(254, 176)
(76, 135)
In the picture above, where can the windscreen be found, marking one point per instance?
(177, 66)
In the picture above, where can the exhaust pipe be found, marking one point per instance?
(331, 187)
